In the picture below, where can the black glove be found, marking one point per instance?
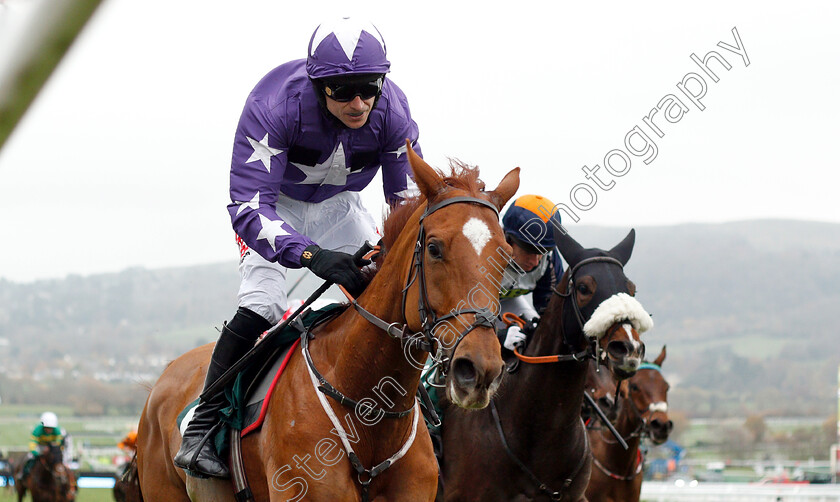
(335, 266)
(531, 326)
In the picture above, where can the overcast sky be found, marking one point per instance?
(123, 160)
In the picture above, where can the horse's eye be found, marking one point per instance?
(434, 250)
(634, 387)
(582, 289)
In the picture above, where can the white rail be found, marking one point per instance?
(653, 491)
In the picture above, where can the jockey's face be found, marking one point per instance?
(526, 259)
(354, 113)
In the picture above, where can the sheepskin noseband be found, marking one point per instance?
(620, 307)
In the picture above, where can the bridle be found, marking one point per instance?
(425, 341)
(642, 430)
(593, 349)
(428, 317)
(644, 417)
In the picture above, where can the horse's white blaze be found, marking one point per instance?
(660, 406)
(637, 345)
(477, 232)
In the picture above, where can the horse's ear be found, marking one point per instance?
(660, 358)
(428, 180)
(571, 251)
(624, 249)
(507, 187)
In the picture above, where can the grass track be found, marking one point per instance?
(84, 495)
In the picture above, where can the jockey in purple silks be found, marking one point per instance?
(313, 133)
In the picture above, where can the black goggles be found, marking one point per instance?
(344, 92)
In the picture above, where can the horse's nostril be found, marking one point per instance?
(463, 370)
(659, 425)
(618, 349)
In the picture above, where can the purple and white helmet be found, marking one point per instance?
(346, 46)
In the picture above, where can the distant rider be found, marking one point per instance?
(46, 435)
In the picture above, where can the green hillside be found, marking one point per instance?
(746, 310)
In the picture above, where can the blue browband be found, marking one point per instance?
(648, 366)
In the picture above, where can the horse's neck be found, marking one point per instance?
(619, 460)
(549, 396)
(366, 359)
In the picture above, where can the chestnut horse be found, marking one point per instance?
(531, 443)
(432, 254)
(642, 412)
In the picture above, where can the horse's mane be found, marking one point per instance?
(461, 177)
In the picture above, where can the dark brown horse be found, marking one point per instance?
(49, 479)
(127, 484)
(430, 282)
(530, 444)
(642, 412)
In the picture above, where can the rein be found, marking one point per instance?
(641, 431)
(429, 319)
(555, 495)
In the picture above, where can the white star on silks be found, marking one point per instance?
(271, 229)
(332, 171)
(401, 150)
(347, 35)
(262, 151)
(254, 203)
(410, 188)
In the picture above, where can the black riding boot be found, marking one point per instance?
(198, 450)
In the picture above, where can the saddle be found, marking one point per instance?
(249, 394)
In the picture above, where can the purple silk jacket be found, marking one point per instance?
(286, 142)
